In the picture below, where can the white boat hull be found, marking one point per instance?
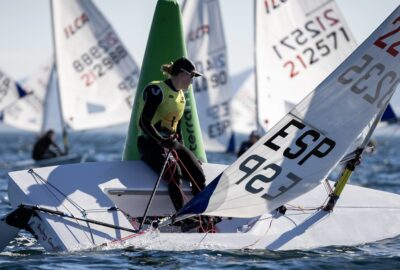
(361, 215)
(30, 163)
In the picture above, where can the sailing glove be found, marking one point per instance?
(170, 142)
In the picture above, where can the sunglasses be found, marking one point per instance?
(187, 72)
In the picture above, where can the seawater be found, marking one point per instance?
(380, 170)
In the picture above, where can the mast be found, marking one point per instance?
(45, 100)
(352, 164)
(63, 125)
(257, 116)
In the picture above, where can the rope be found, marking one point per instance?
(171, 169)
(83, 212)
(188, 173)
(45, 182)
(265, 233)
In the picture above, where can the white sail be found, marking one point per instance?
(206, 47)
(243, 103)
(10, 91)
(298, 43)
(28, 112)
(301, 150)
(97, 76)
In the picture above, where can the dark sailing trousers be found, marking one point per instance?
(154, 155)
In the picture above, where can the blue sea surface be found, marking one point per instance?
(380, 170)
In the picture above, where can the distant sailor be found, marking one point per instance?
(253, 138)
(159, 128)
(45, 147)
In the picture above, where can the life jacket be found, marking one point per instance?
(171, 108)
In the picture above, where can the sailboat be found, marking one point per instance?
(297, 44)
(28, 112)
(32, 112)
(10, 91)
(96, 76)
(206, 47)
(95, 205)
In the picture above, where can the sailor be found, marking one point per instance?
(253, 138)
(45, 147)
(159, 130)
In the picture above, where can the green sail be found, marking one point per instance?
(164, 45)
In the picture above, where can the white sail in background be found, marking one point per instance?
(302, 149)
(243, 104)
(206, 47)
(28, 112)
(298, 43)
(97, 76)
(10, 91)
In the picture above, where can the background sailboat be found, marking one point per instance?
(205, 41)
(28, 113)
(93, 81)
(297, 44)
(10, 91)
(97, 77)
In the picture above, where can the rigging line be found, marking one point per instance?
(65, 215)
(37, 177)
(83, 211)
(291, 220)
(204, 237)
(265, 233)
(99, 210)
(212, 229)
(369, 207)
(47, 184)
(327, 187)
(303, 209)
(80, 209)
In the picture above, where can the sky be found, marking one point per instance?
(26, 40)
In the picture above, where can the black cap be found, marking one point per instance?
(185, 65)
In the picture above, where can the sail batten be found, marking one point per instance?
(294, 156)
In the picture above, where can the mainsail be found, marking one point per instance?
(28, 113)
(206, 47)
(302, 149)
(10, 91)
(97, 76)
(297, 44)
